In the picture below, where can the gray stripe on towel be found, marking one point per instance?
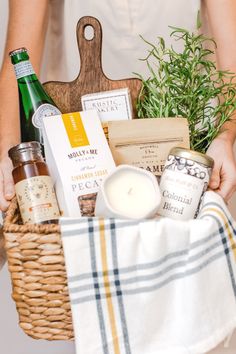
(148, 277)
(149, 265)
(118, 286)
(83, 231)
(157, 286)
(97, 292)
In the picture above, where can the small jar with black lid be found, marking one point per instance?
(33, 184)
(184, 180)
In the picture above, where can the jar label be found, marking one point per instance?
(22, 69)
(45, 110)
(181, 195)
(182, 185)
(37, 199)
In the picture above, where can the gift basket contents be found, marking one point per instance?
(81, 163)
(100, 161)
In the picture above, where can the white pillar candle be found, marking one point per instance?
(128, 192)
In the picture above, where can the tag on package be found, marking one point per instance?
(146, 143)
(78, 158)
(110, 105)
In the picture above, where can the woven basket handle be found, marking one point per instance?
(11, 215)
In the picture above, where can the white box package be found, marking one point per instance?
(111, 105)
(78, 157)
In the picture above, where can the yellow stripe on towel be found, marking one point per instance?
(226, 226)
(108, 288)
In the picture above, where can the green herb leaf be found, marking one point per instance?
(187, 84)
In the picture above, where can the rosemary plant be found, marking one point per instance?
(187, 84)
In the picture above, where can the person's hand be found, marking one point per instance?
(7, 190)
(223, 179)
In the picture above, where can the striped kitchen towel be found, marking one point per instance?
(150, 287)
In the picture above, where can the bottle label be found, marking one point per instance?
(22, 69)
(37, 200)
(45, 110)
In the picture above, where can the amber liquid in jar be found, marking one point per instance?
(34, 188)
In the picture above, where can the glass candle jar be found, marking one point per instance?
(184, 180)
(34, 188)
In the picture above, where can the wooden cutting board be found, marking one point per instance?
(91, 78)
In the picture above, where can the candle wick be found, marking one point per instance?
(130, 190)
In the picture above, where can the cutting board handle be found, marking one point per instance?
(90, 50)
(91, 77)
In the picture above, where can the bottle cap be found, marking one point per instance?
(193, 155)
(18, 51)
(24, 152)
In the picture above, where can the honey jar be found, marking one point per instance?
(34, 187)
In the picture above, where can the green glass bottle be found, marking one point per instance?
(34, 102)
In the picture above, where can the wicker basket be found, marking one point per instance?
(39, 283)
(34, 252)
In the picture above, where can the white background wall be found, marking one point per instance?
(12, 338)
